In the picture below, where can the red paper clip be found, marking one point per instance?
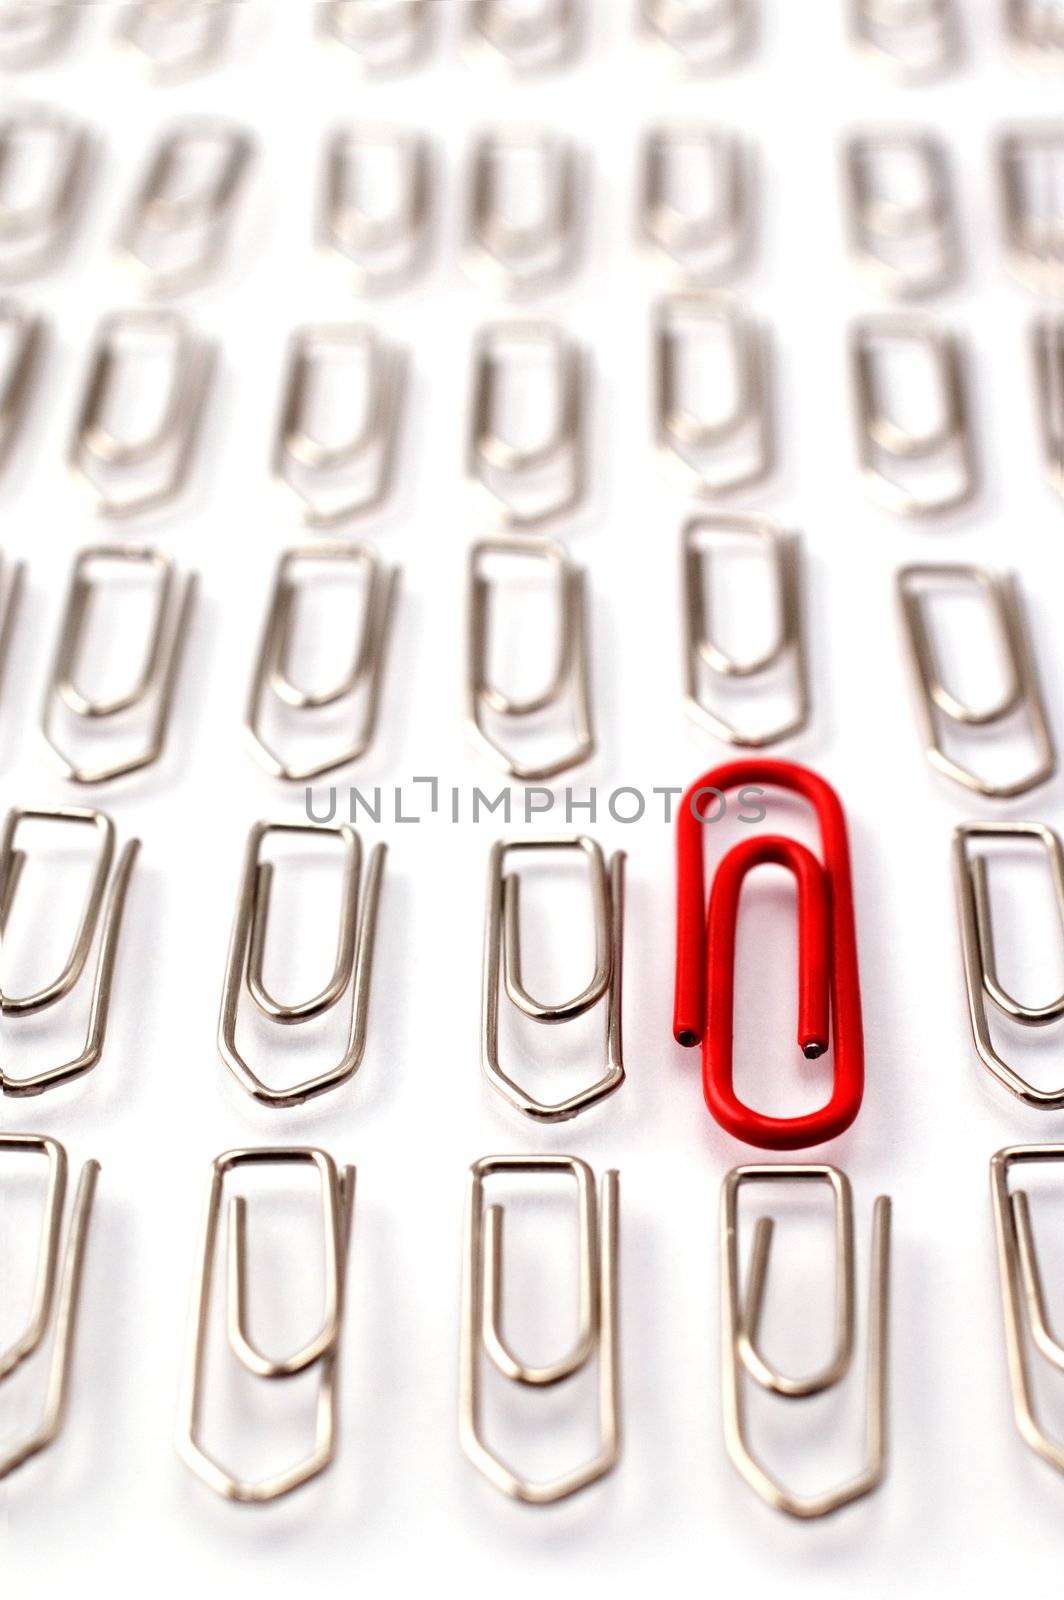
(829, 989)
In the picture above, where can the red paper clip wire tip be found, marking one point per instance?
(829, 992)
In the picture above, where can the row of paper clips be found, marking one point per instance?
(176, 39)
(299, 731)
(526, 208)
(829, 1005)
(484, 1344)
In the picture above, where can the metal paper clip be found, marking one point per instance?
(56, 1290)
(517, 245)
(335, 482)
(350, 977)
(177, 230)
(708, 241)
(101, 915)
(144, 471)
(502, 965)
(34, 32)
(915, 40)
(322, 1352)
(36, 227)
(175, 39)
(483, 1336)
(983, 983)
(25, 334)
(570, 679)
(940, 710)
(718, 448)
(829, 989)
(150, 700)
(1036, 30)
(383, 36)
(1023, 1298)
(384, 247)
(904, 242)
(530, 484)
(742, 1356)
(12, 582)
(1031, 175)
(704, 656)
(1047, 346)
(703, 35)
(925, 468)
(526, 36)
(273, 689)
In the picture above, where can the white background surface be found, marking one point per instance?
(965, 1506)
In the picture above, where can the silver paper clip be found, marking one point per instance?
(1028, 1331)
(33, 33)
(482, 1334)
(528, 482)
(128, 476)
(173, 40)
(99, 927)
(502, 968)
(914, 40)
(704, 539)
(56, 1291)
(142, 713)
(1036, 31)
(742, 1355)
(357, 695)
(526, 37)
(905, 241)
(36, 227)
(922, 468)
(700, 35)
(179, 224)
(569, 685)
(523, 230)
(705, 241)
(12, 583)
(25, 334)
(351, 974)
(383, 36)
(1047, 345)
(321, 1354)
(383, 246)
(1031, 172)
(718, 448)
(335, 482)
(940, 710)
(987, 995)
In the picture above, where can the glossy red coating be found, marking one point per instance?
(829, 989)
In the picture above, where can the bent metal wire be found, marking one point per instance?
(152, 694)
(528, 484)
(36, 227)
(175, 235)
(101, 915)
(1030, 161)
(56, 1291)
(906, 245)
(705, 657)
(128, 476)
(482, 1334)
(174, 40)
(273, 687)
(528, 39)
(570, 678)
(914, 40)
(25, 335)
(502, 968)
(742, 1357)
(522, 257)
(382, 248)
(335, 482)
(1036, 30)
(939, 710)
(1047, 348)
(701, 35)
(322, 1352)
(383, 36)
(987, 995)
(707, 246)
(829, 988)
(351, 975)
(1023, 1296)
